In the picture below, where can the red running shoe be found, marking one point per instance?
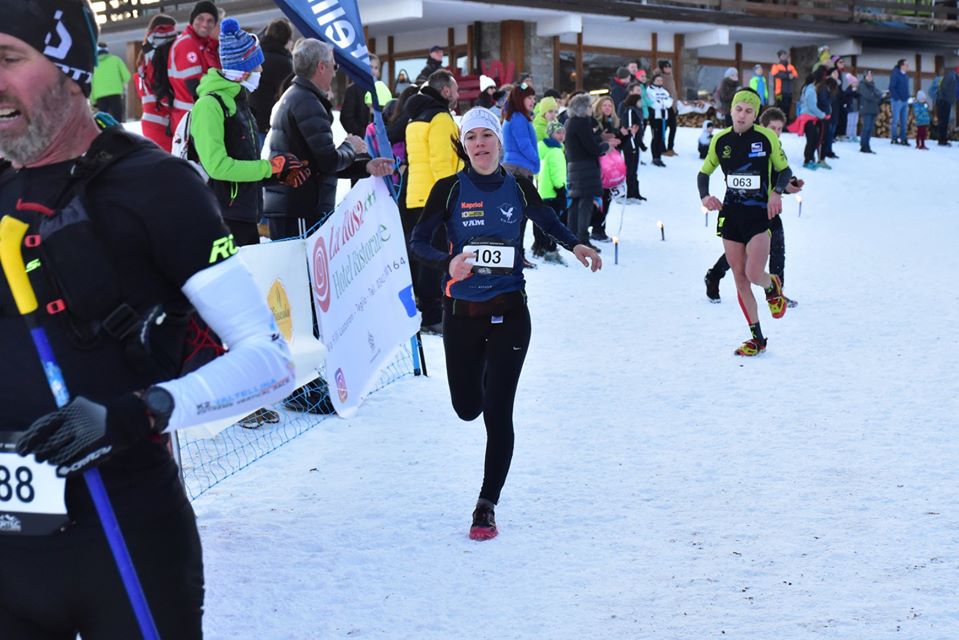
(484, 522)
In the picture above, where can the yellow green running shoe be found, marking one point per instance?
(775, 299)
(752, 347)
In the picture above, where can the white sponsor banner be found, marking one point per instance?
(362, 290)
(280, 272)
(692, 107)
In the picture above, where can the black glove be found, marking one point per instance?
(83, 433)
(289, 169)
(561, 198)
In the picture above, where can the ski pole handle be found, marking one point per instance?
(12, 233)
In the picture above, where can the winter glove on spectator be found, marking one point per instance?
(83, 433)
(289, 169)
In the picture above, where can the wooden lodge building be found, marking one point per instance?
(577, 44)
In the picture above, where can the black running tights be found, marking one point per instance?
(54, 589)
(483, 363)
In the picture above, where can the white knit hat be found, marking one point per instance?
(486, 83)
(480, 118)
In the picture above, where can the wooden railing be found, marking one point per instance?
(927, 14)
(913, 13)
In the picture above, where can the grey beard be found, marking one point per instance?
(49, 116)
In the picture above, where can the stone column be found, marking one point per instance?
(539, 59)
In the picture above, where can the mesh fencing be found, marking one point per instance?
(205, 462)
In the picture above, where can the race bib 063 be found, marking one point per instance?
(743, 181)
(31, 494)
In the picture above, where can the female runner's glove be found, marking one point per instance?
(83, 433)
(289, 169)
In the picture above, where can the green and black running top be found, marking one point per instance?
(748, 161)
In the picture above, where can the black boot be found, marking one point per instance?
(313, 397)
(712, 286)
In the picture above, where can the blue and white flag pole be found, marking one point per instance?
(337, 22)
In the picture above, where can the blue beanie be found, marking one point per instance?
(239, 50)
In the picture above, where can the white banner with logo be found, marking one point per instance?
(362, 290)
(280, 272)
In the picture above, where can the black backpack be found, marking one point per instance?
(165, 341)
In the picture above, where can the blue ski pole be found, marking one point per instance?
(12, 233)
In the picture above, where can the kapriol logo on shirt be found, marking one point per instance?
(473, 214)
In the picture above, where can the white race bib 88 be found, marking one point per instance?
(743, 181)
(31, 494)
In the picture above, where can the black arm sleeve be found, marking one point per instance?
(544, 217)
(702, 181)
(784, 176)
(435, 213)
(192, 85)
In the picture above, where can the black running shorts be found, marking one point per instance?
(741, 224)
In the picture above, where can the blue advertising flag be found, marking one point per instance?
(337, 22)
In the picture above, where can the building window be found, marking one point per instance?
(598, 69)
(708, 78)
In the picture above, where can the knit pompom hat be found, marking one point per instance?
(239, 50)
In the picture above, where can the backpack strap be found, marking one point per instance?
(112, 144)
(191, 154)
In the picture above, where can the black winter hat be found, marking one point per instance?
(204, 6)
(65, 31)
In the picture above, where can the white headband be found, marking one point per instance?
(480, 118)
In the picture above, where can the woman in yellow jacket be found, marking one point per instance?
(431, 157)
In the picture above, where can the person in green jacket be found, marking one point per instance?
(551, 184)
(545, 112)
(223, 132)
(110, 80)
(760, 84)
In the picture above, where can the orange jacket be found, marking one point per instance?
(780, 68)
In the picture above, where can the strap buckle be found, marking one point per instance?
(121, 322)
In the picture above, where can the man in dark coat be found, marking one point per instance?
(277, 67)
(355, 115)
(303, 121)
(617, 86)
(584, 179)
(945, 99)
(433, 63)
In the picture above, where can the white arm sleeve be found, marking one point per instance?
(256, 371)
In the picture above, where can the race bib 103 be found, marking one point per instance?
(492, 258)
(31, 494)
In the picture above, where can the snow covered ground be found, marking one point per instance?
(661, 487)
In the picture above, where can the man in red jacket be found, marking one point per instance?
(193, 53)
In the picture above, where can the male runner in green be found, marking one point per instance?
(748, 154)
